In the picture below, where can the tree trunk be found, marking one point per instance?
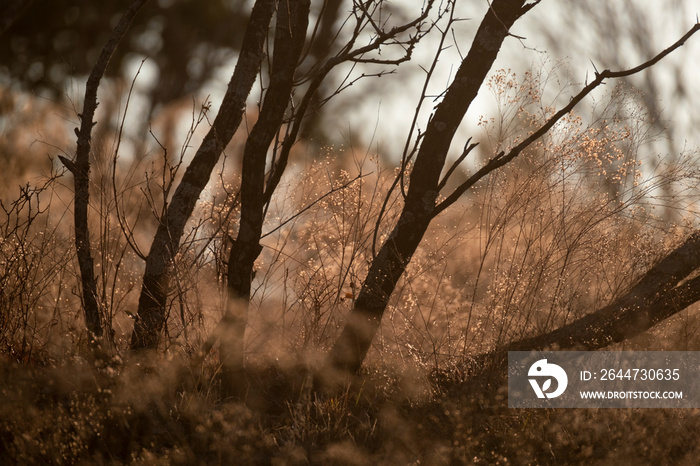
(151, 309)
(659, 294)
(290, 35)
(350, 349)
(320, 49)
(80, 168)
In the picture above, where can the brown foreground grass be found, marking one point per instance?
(566, 230)
(165, 413)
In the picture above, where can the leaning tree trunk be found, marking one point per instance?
(80, 168)
(257, 189)
(662, 292)
(420, 204)
(152, 301)
(290, 35)
(419, 209)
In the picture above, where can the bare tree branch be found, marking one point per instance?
(80, 168)
(503, 158)
(346, 54)
(467, 150)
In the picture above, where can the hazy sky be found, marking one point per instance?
(605, 33)
(611, 34)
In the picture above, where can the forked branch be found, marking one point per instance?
(504, 158)
(347, 54)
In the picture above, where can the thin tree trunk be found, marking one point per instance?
(350, 349)
(420, 208)
(659, 294)
(290, 35)
(320, 48)
(246, 249)
(152, 301)
(80, 168)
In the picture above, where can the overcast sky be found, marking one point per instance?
(605, 33)
(578, 35)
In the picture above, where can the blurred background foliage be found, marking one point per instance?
(48, 46)
(51, 43)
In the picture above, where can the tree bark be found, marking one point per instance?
(290, 36)
(662, 292)
(80, 168)
(152, 301)
(246, 248)
(350, 349)
(320, 48)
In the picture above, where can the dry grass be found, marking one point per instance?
(166, 414)
(562, 231)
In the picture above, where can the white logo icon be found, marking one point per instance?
(543, 369)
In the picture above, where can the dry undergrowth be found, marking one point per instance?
(564, 230)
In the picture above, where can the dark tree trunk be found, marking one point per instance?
(152, 301)
(80, 168)
(290, 35)
(662, 292)
(420, 208)
(320, 48)
(350, 349)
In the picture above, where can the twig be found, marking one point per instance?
(339, 188)
(503, 158)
